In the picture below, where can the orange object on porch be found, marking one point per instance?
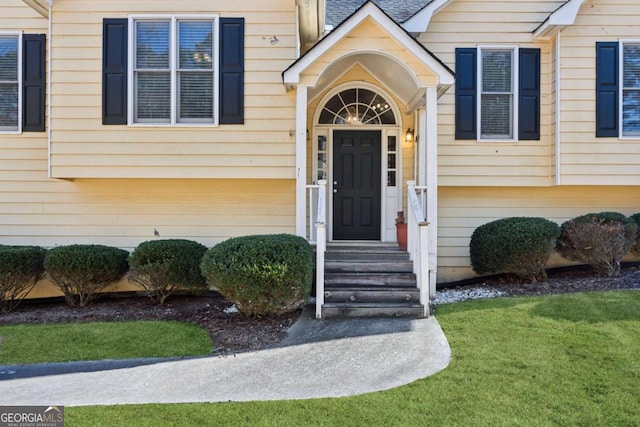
(401, 231)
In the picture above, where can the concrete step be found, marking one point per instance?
(341, 310)
(372, 295)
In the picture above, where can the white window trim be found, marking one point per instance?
(318, 132)
(19, 129)
(173, 122)
(515, 81)
(358, 85)
(621, 44)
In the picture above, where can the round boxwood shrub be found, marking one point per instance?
(600, 240)
(81, 271)
(162, 267)
(261, 274)
(20, 268)
(519, 245)
(636, 245)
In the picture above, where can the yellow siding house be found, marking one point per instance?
(125, 121)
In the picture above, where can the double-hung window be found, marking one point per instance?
(174, 70)
(10, 82)
(497, 83)
(630, 89)
(618, 89)
(497, 93)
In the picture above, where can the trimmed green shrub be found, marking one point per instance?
(518, 245)
(261, 274)
(163, 266)
(81, 271)
(636, 245)
(20, 268)
(600, 240)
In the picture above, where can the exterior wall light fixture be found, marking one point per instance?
(409, 136)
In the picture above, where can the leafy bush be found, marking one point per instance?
(598, 239)
(163, 266)
(636, 245)
(81, 271)
(20, 268)
(261, 275)
(518, 245)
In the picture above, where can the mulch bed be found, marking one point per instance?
(233, 333)
(230, 332)
(565, 280)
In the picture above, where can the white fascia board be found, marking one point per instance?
(562, 17)
(292, 75)
(418, 101)
(40, 6)
(419, 22)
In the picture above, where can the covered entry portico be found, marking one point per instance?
(367, 52)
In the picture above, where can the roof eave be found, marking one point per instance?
(419, 22)
(40, 6)
(562, 17)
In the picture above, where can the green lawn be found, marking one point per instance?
(64, 342)
(544, 361)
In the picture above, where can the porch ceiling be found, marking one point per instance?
(389, 72)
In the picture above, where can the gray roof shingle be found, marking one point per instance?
(399, 10)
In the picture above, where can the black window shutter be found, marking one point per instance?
(231, 71)
(466, 93)
(114, 71)
(606, 89)
(529, 95)
(33, 82)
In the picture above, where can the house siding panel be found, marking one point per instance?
(124, 213)
(23, 157)
(585, 158)
(150, 151)
(38, 210)
(462, 210)
(469, 162)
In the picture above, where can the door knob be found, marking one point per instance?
(335, 182)
(335, 190)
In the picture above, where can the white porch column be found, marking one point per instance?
(301, 160)
(429, 122)
(422, 142)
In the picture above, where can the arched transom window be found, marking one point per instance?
(357, 107)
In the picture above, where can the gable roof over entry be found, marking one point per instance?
(392, 71)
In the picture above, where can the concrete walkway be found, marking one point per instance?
(319, 358)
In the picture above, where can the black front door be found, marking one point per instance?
(356, 185)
